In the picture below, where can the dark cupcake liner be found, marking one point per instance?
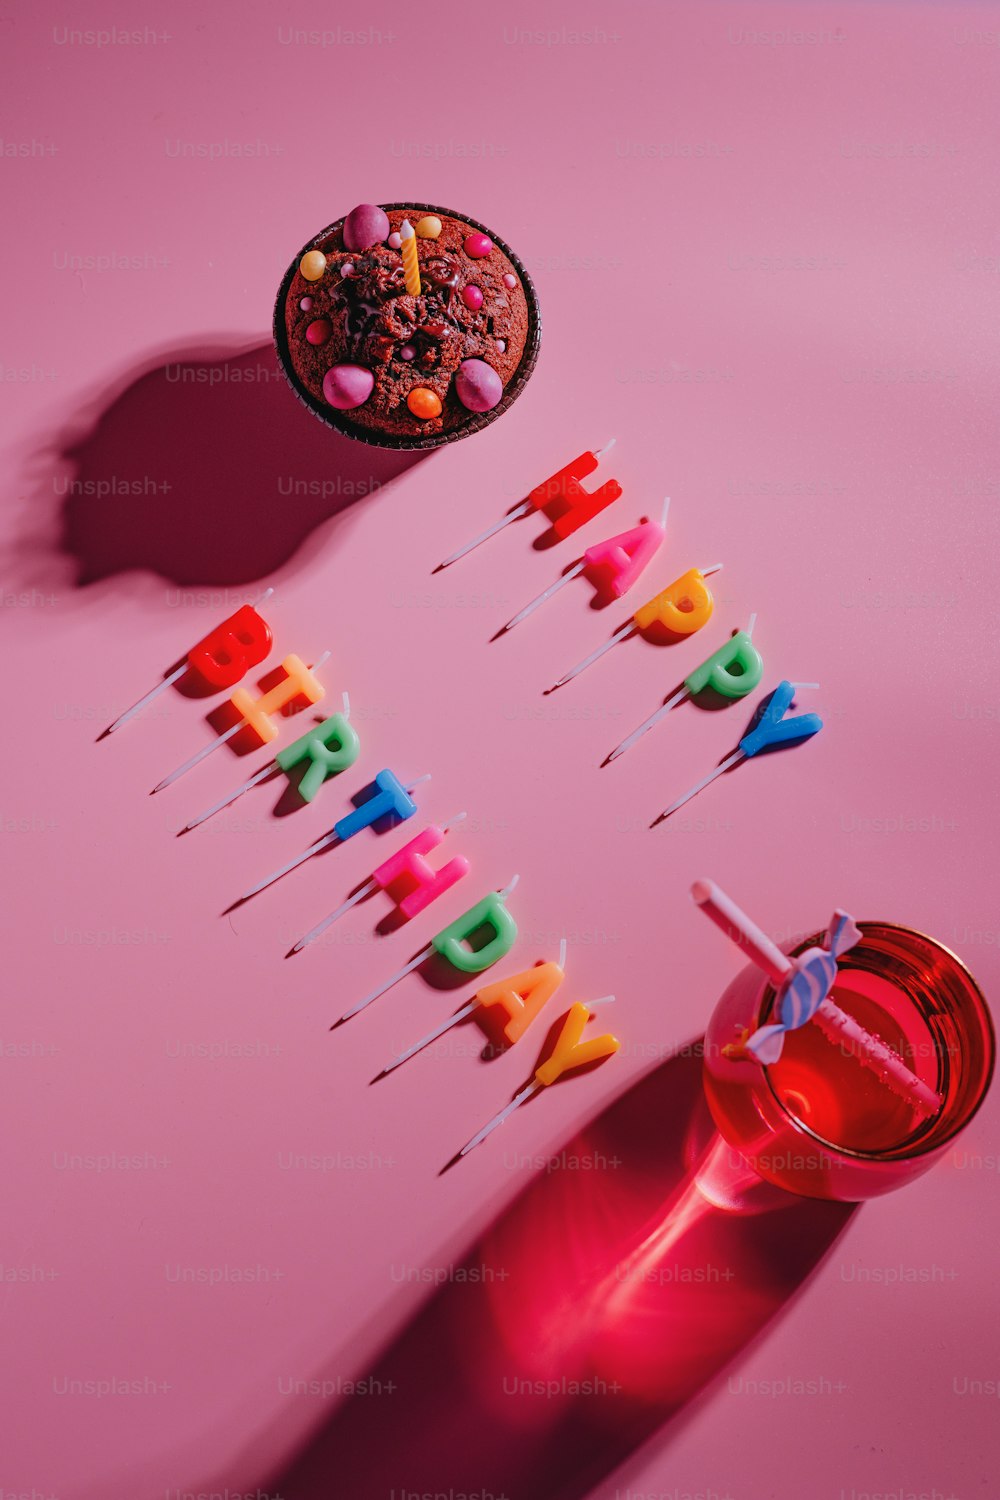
(476, 420)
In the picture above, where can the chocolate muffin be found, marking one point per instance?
(396, 368)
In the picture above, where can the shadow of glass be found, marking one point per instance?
(201, 466)
(636, 1264)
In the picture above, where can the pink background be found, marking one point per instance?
(770, 269)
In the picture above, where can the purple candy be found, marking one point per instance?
(347, 386)
(472, 297)
(477, 385)
(365, 226)
(407, 352)
(347, 269)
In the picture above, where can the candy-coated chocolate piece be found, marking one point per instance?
(683, 607)
(472, 297)
(477, 385)
(228, 652)
(572, 504)
(365, 226)
(509, 279)
(572, 1052)
(408, 352)
(477, 245)
(426, 884)
(347, 269)
(327, 749)
(522, 996)
(501, 345)
(615, 565)
(424, 403)
(312, 265)
(453, 942)
(347, 386)
(319, 331)
(394, 241)
(298, 682)
(716, 671)
(771, 726)
(429, 227)
(391, 800)
(305, 303)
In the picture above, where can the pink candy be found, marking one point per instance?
(347, 269)
(501, 345)
(305, 303)
(395, 243)
(477, 385)
(407, 352)
(319, 331)
(365, 226)
(472, 297)
(478, 245)
(509, 279)
(347, 386)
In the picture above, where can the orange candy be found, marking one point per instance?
(424, 403)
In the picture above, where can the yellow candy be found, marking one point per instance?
(312, 265)
(428, 228)
(423, 402)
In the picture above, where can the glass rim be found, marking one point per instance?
(478, 421)
(896, 1153)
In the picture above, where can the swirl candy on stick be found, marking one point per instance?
(613, 566)
(803, 993)
(219, 659)
(563, 495)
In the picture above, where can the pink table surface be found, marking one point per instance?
(765, 244)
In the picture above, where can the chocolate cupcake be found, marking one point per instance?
(396, 366)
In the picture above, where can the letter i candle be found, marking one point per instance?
(257, 715)
(219, 659)
(561, 497)
(612, 566)
(390, 803)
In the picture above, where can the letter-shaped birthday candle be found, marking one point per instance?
(391, 800)
(227, 653)
(681, 608)
(454, 943)
(570, 1051)
(732, 671)
(330, 748)
(562, 497)
(770, 728)
(220, 658)
(521, 997)
(298, 682)
(410, 865)
(612, 566)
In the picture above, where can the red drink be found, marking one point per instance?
(821, 1122)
